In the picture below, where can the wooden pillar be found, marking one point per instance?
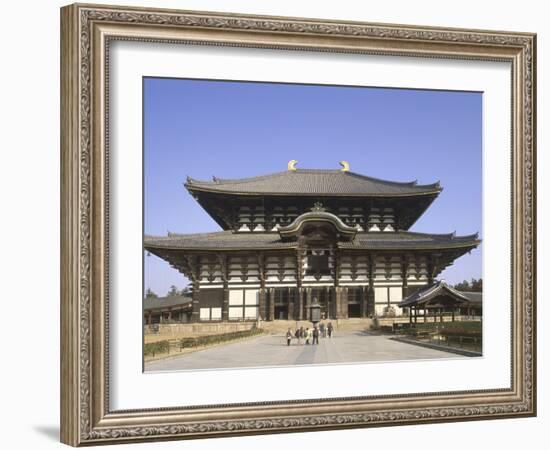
(371, 311)
(300, 313)
(299, 295)
(371, 307)
(424, 314)
(329, 300)
(453, 314)
(308, 303)
(149, 318)
(411, 312)
(363, 306)
(415, 315)
(262, 302)
(291, 299)
(404, 271)
(271, 309)
(339, 306)
(262, 295)
(225, 302)
(339, 310)
(169, 315)
(345, 305)
(441, 315)
(192, 265)
(195, 317)
(222, 260)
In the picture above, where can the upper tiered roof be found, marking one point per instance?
(313, 182)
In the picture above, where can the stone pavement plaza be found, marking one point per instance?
(271, 350)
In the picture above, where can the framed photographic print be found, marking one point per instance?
(277, 224)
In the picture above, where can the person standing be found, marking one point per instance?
(307, 336)
(315, 336)
(298, 336)
(288, 337)
(330, 329)
(322, 330)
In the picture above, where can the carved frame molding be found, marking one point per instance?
(86, 31)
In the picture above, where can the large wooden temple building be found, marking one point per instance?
(340, 237)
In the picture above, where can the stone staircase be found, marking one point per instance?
(340, 325)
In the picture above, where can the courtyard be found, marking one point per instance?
(271, 350)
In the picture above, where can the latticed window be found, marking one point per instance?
(282, 296)
(318, 262)
(354, 295)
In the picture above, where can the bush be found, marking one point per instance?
(152, 348)
(471, 329)
(200, 341)
(458, 332)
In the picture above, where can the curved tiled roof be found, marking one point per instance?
(219, 240)
(440, 288)
(295, 227)
(229, 240)
(317, 182)
(171, 301)
(410, 239)
(474, 297)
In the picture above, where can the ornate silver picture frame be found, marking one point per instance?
(87, 33)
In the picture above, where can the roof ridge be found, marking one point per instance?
(218, 181)
(392, 182)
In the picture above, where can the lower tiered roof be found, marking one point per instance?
(232, 241)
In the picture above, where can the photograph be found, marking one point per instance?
(292, 224)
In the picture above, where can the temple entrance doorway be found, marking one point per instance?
(354, 310)
(354, 299)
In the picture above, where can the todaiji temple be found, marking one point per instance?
(286, 238)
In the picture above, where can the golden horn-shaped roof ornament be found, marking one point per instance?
(292, 164)
(345, 166)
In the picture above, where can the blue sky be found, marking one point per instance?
(229, 129)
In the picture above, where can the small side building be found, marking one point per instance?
(165, 310)
(439, 300)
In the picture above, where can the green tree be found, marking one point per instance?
(477, 285)
(185, 291)
(150, 294)
(463, 286)
(173, 291)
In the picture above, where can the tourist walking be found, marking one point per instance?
(307, 332)
(298, 336)
(288, 337)
(322, 330)
(315, 336)
(330, 329)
